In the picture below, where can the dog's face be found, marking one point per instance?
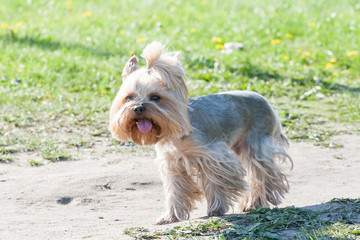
(150, 105)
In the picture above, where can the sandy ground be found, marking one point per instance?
(104, 192)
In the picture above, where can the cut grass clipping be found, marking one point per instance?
(337, 219)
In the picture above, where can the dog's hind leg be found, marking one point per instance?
(268, 183)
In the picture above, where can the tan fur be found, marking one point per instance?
(223, 147)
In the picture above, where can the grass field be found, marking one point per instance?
(61, 64)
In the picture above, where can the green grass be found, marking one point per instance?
(6, 158)
(35, 163)
(338, 219)
(61, 62)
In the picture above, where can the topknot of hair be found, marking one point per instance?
(152, 52)
(166, 65)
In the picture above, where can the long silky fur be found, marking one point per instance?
(212, 169)
(268, 182)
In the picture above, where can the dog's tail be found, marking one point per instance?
(282, 141)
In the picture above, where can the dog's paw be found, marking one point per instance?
(166, 220)
(216, 213)
(247, 208)
(246, 205)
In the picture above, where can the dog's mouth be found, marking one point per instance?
(144, 125)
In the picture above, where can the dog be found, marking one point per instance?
(224, 147)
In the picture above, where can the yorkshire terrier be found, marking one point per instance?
(225, 147)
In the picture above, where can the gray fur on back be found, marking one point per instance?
(225, 113)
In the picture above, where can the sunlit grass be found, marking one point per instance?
(61, 61)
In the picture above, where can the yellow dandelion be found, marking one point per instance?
(286, 57)
(69, 5)
(4, 26)
(352, 53)
(299, 50)
(122, 32)
(203, 2)
(88, 14)
(170, 1)
(47, 96)
(271, 14)
(102, 91)
(329, 65)
(307, 54)
(333, 60)
(140, 40)
(312, 24)
(335, 74)
(275, 41)
(131, 53)
(289, 36)
(216, 39)
(219, 46)
(113, 3)
(18, 24)
(193, 30)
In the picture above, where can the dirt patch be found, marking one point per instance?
(107, 191)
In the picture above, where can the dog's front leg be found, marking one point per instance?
(181, 192)
(176, 205)
(221, 179)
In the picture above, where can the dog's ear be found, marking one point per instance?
(131, 66)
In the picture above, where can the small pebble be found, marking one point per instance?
(231, 47)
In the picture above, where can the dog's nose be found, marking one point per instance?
(139, 110)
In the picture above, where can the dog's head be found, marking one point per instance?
(151, 104)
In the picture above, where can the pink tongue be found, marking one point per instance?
(144, 125)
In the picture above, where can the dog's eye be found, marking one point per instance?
(129, 98)
(154, 98)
